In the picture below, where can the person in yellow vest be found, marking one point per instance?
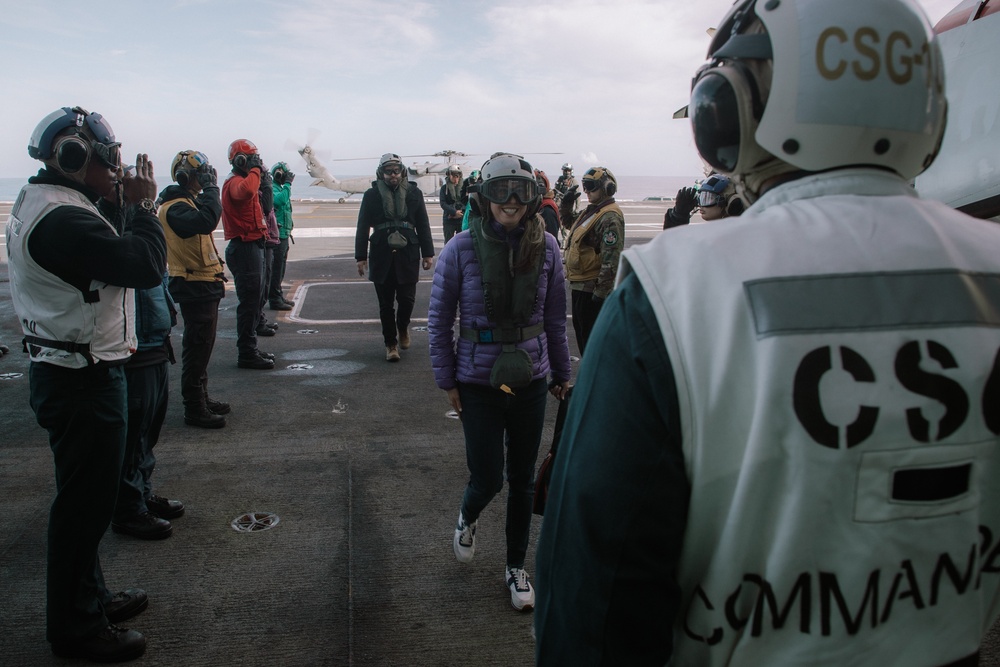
(190, 211)
(594, 244)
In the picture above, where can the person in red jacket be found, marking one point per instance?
(244, 227)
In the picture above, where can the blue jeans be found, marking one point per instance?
(492, 419)
(147, 409)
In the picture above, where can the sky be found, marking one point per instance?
(594, 82)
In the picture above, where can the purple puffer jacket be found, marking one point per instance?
(459, 288)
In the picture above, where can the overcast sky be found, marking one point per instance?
(597, 81)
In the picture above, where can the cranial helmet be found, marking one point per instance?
(506, 175)
(803, 85)
(454, 169)
(543, 181)
(279, 171)
(719, 190)
(567, 167)
(185, 164)
(68, 138)
(388, 159)
(602, 178)
(240, 152)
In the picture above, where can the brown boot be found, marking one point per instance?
(391, 353)
(404, 338)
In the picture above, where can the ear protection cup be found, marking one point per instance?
(72, 154)
(603, 175)
(182, 178)
(735, 207)
(240, 161)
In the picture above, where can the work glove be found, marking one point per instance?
(568, 203)
(255, 161)
(685, 202)
(289, 177)
(207, 178)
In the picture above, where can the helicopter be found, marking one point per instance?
(427, 176)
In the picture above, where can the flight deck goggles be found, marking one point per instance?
(707, 199)
(500, 190)
(110, 155)
(591, 185)
(195, 161)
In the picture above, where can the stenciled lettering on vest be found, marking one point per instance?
(817, 601)
(943, 390)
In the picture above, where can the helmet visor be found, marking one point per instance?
(707, 199)
(715, 120)
(500, 190)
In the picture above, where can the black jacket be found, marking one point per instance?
(381, 258)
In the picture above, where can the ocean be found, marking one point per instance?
(630, 188)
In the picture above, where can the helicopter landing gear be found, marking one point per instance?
(341, 200)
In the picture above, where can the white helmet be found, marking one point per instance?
(506, 175)
(812, 85)
(389, 160)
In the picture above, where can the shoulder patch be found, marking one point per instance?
(611, 237)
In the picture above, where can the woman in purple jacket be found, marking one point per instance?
(504, 278)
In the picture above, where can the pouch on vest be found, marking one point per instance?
(396, 240)
(513, 368)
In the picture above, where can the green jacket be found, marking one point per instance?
(283, 208)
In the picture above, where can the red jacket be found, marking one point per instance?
(242, 217)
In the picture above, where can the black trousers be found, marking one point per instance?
(84, 412)
(246, 261)
(201, 319)
(390, 294)
(585, 312)
(274, 293)
(451, 227)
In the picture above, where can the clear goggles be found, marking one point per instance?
(708, 199)
(107, 150)
(196, 160)
(110, 155)
(500, 190)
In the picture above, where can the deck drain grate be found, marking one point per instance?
(254, 522)
(307, 332)
(299, 367)
(10, 376)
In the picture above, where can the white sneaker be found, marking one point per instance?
(522, 595)
(465, 540)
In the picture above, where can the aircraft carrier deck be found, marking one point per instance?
(358, 460)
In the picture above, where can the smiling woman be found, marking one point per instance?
(503, 276)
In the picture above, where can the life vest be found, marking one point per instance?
(194, 258)
(583, 262)
(510, 297)
(62, 325)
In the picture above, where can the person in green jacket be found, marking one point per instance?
(281, 184)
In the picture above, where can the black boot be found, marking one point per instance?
(203, 418)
